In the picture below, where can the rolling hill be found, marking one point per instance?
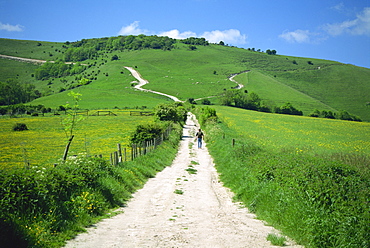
(189, 71)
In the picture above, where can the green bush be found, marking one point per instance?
(20, 127)
(174, 112)
(206, 114)
(147, 132)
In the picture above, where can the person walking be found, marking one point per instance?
(199, 136)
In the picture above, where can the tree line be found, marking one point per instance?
(20, 109)
(58, 69)
(88, 48)
(13, 92)
(251, 101)
(195, 41)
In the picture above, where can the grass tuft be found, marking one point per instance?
(276, 239)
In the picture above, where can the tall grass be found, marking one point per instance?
(319, 201)
(42, 207)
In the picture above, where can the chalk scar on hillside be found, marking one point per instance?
(231, 78)
(143, 82)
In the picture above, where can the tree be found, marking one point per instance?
(146, 132)
(171, 112)
(271, 52)
(221, 43)
(234, 96)
(13, 92)
(191, 101)
(206, 102)
(70, 122)
(288, 109)
(192, 47)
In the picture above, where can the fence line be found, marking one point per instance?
(138, 150)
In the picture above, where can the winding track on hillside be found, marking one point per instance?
(143, 82)
(179, 209)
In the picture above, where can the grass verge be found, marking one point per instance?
(319, 201)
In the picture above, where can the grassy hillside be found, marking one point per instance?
(32, 49)
(307, 83)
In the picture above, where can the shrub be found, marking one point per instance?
(288, 109)
(207, 114)
(147, 132)
(20, 127)
(206, 102)
(171, 112)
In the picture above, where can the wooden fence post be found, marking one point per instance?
(115, 158)
(119, 153)
(124, 152)
(233, 142)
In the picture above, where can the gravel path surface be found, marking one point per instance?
(179, 209)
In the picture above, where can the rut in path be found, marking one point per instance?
(179, 209)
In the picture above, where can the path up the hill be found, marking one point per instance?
(180, 209)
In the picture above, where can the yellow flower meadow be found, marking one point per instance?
(45, 141)
(298, 133)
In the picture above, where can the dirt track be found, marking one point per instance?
(203, 216)
(143, 82)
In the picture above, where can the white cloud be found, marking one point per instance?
(11, 28)
(338, 7)
(175, 34)
(132, 29)
(358, 26)
(298, 36)
(232, 36)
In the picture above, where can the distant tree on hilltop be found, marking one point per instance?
(195, 41)
(271, 52)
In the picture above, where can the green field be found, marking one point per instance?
(299, 134)
(43, 144)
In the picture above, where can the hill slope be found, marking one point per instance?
(307, 83)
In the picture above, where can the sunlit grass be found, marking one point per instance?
(45, 140)
(298, 134)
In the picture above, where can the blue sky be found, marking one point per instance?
(325, 29)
